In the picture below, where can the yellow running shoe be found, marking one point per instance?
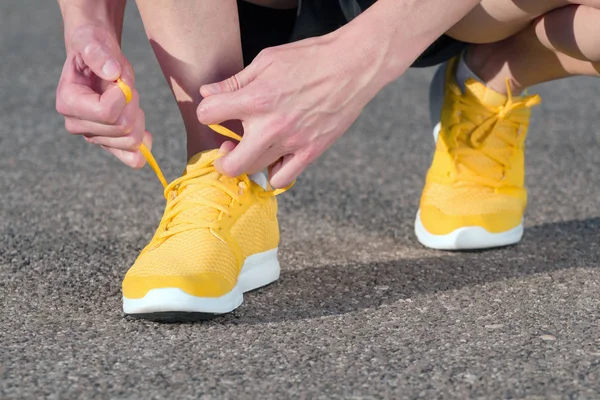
(217, 239)
(474, 195)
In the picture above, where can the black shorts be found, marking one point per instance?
(264, 27)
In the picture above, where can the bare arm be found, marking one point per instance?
(391, 34)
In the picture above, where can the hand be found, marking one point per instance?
(95, 107)
(294, 102)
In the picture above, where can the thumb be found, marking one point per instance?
(232, 84)
(101, 55)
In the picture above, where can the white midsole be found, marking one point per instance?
(466, 237)
(258, 270)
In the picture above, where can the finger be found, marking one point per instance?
(121, 127)
(227, 147)
(101, 54)
(224, 107)
(127, 76)
(77, 126)
(270, 157)
(147, 140)
(81, 102)
(130, 142)
(232, 84)
(274, 168)
(244, 155)
(284, 172)
(133, 159)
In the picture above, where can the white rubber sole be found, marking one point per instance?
(258, 270)
(467, 237)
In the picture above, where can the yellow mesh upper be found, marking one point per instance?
(468, 199)
(220, 242)
(251, 231)
(186, 254)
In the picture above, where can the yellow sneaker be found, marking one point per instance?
(217, 239)
(474, 195)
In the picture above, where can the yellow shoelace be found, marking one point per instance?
(174, 192)
(473, 134)
(178, 200)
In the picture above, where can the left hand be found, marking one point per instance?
(294, 102)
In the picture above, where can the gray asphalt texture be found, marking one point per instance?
(361, 310)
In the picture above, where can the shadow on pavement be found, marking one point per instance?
(341, 289)
(83, 275)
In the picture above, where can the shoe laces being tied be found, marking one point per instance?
(478, 123)
(180, 200)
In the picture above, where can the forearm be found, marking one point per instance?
(97, 12)
(391, 34)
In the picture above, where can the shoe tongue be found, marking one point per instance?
(484, 94)
(491, 98)
(201, 160)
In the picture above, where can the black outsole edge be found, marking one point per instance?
(174, 316)
(185, 316)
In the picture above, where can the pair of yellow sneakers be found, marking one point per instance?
(218, 237)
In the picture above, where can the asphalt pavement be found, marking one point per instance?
(361, 310)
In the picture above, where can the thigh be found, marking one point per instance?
(494, 20)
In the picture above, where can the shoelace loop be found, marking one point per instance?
(178, 200)
(474, 139)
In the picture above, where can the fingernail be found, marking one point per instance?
(110, 69)
(212, 88)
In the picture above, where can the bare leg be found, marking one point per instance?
(195, 42)
(550, 44)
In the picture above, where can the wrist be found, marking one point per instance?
(394, 33)
(107, 14)
(364, 53)
(377, 44)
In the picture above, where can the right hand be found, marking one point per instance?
(92, 104)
